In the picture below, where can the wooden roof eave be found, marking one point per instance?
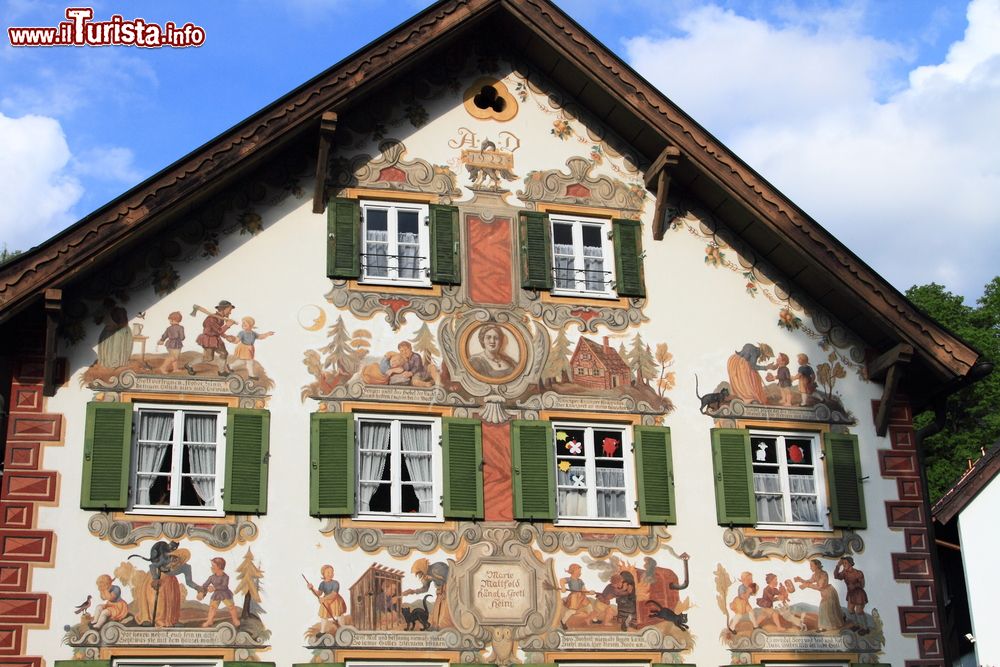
(61, 258)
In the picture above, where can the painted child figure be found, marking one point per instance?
(218, 586)
(857, 598)
(784, 377)
(113, 608)
(806, 377)
(245, 339)
(173, 337)
(740, 604)
(576, 601)
(331, 605)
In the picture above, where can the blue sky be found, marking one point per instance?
(879, 118)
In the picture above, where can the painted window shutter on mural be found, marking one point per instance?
(247, 452)
(331, 470)
(107, 454)
(534, 470)
(655, 470)
(462, 440)
(536, 250)
(843, 470)
(343, 231)
(445, 258)
(82, 663)
(735, 502)
(629, 278)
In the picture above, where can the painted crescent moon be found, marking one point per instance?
(312, 317)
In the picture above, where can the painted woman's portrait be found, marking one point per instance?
(494, 353)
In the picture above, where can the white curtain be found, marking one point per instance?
(416, 446)
(374, 436)
(376, 252)
(611, 493)
(565, 268)
(409, 251)
(770, 508)
(572, 501)
(155, 433)
(200, 435)
(593, 264)
(804, 507)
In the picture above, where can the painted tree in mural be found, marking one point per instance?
(722, 583)
(665, 359)
(361, 341)
(423, 343)
(557, 366)
(340, 355)
(248, 578)
(827, 374)
(641, 361)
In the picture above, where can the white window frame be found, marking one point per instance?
(607, 248)
(177, 461)
(628, 465)
(423, 234)
(602, 664)
(819, 471)
(393, 663)
(396, 461)
(165, 662)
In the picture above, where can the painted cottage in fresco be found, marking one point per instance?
(469, 351)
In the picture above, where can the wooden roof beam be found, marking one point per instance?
(659, 173)
(891, 365)
(53, 307)
(327, 127)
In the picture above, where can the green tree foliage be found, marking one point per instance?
(973, 415)
(6, 254)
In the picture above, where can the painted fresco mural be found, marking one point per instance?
(168, 596)
(495, 591)
(763, 383)
(807, 612)
(506, 595)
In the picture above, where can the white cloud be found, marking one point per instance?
(908, 180)
(35, 186)
(40, 178)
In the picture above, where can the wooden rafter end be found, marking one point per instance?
(53, 307)
(327, 127)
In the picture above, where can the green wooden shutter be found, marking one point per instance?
(247, 452)
(462, 440)
(107, 456)
(331, 469)
(536, 250)
(534, 470)
(343, 232)
(843, 471)
(735, 503)
(446, 264)
(229, 663)
(654, 465)
(629, 276)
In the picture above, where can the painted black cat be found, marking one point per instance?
(662, 613)
(710, 401)
(414, 615)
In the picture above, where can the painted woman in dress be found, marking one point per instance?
(331, 604)
(114, 346)
(831, 616)
(745, 382)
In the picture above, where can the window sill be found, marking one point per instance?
(397, 518)
(577, 300)
(596, 523)
(389, 282)
(799, 530)
(174, 517)
(570, 294)
(174, 513)
(395, 288)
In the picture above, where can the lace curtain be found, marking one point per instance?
(593, 264)
(376, 252)
(156, 430)
(199, 440)
(374, 436)
(409, 251)
(572, 501)
(611, 493)
(770, 508)
(415, 441)
(565, 267)
(804, 507)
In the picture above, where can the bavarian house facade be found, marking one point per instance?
(471, 350)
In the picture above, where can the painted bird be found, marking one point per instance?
(85, 605)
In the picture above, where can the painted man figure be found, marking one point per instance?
(213, 330)
(857, 598)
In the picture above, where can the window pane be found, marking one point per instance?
(611, 504)
(798, 451)
(408, 243)
(573, 502)
(417, 490)
(198, 491)
(805, 509)
(200, 433)
(376, 258)
(562, 234)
